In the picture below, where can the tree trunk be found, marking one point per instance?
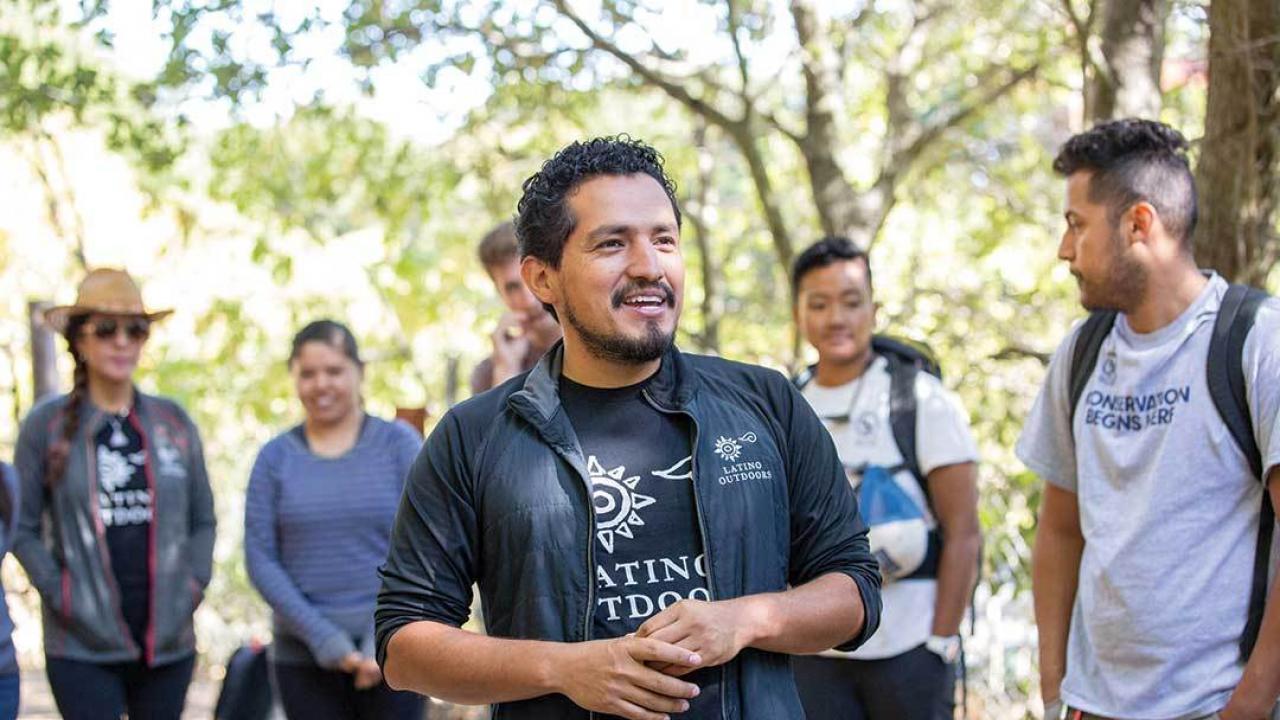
(1127, 81)
(712, 305)
(44, 352)
(1236, 174)
(833, 196)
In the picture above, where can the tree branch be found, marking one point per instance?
(668, 85)
(931, 133)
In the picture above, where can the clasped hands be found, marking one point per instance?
(366, 671)
(638, 676)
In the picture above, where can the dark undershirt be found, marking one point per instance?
(125, 506)
(648, 548)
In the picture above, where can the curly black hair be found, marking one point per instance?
(543, 219)
(1135, 161)
(827, 251)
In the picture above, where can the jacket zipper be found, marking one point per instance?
(702, 523)
(149, 652)
(109, 573)
(591, 559)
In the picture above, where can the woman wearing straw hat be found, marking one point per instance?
(116, 525)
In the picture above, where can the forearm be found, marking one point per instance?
(40, 565)
(1260, 683)
(815, 616)
(293, 610)
(463, 667)
(957, 573)
(1055, 570)
(200, 547)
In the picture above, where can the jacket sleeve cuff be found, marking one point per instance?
(329, 654)
(870, 594)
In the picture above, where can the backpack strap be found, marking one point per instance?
(902, 415)
(1225, 368)
(805, 377)
(1084, 356)
(902, 423)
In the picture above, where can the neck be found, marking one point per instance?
(110, 395)
(347, 425)
(545, 336)
(1168, 294)
(584, 368)
(335, 438)
(832, 374)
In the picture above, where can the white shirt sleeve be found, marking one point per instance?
(942, 426)
(1262, 381)
(1047, 445)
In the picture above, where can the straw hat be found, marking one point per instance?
(105, 290)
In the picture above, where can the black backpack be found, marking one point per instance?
(905, 359)
(1225, 370)
(246, 689)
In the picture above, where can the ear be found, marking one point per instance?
(541, 279)
(1140, 222)
(875, 312)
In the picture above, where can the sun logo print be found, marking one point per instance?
(614, 497)
(728, 448)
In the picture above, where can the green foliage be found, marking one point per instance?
(335, 214)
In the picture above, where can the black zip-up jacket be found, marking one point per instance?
(500, 496)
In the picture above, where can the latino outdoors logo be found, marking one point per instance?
(614, 497)
(730, 448)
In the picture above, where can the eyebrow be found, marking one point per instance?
(623, 229)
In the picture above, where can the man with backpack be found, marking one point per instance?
(1158, 420)
(905, 444)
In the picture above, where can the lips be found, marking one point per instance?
(645, 297)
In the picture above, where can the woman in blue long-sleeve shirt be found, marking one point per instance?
(318, 513)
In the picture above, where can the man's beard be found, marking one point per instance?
(1122, 289)
(621, 348)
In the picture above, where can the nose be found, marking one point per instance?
(1067, 245)
(643, 261)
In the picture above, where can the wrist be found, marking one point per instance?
(757, 620)
(946, 647)
(552, 666)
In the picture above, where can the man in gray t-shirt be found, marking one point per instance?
(1145, 548)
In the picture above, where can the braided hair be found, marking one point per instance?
(60, 449)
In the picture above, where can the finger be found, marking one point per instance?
(631, 711)
(666, 685)
(659, 621)
(678, 671)
(675, 634)
(653, 701)
(648, 649)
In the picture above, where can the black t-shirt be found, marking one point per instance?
(124, 502)
(648, 547)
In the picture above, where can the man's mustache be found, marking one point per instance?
(657, 288)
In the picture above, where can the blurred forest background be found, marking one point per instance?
(260, 163)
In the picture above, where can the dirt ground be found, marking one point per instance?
(37, 702)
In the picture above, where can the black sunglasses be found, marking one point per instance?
(135, 328)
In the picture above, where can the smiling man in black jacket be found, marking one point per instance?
(652, 532)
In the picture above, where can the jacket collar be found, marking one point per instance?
(538, 401)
